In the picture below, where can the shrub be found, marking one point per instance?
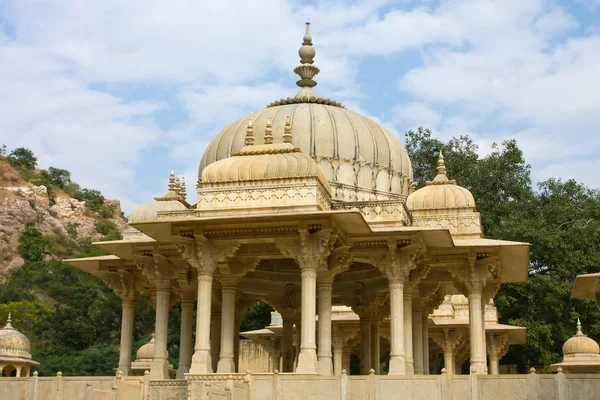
(33, 246)
(105, 226)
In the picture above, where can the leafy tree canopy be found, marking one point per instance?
(22, 158)
(33, 245)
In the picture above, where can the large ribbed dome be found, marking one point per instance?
(352, 150)
(13, 343)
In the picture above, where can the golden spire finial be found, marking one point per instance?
(268, 134)
(172, 180)
(182, 191)
(249, 134)
(287, 131)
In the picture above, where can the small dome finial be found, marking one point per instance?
(287, 131)
(177, 184)
(268, 133)
(441, 168)
(182, 191)
(579, 332)
(307, 52)
(8, 322)
(249, 134)
(172, 180)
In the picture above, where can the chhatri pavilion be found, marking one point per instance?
(306, 205)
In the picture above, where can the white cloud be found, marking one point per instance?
(493, 70)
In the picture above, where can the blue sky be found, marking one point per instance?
(120, 92)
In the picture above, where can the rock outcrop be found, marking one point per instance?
(25, 202)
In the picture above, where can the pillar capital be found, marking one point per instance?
(399, 262)
(204, 254)
(479, 274)
(311, 251)
(497, 344)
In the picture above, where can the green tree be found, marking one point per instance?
(561, 221)
(93, 199)
(59, 177)
(22, 158)
(33, 245)
(257, 317)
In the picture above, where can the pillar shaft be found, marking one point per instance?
(287, 349)
(346, 355)
(375, 346)
(338, 354)
(236, 341)
(483, 335)
(397, 355)
(298, 324)
(201, 360)
(494, 367)
(417, 336)
(449, 362)
(160, 366)
(408, 332)
(226, 357)
(185, 337)
(308, 355)
(215, 339)
(475, 327)
(425, 334)
(125, 348)
(325, 363)
(365, 346)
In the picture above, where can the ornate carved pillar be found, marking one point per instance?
(324, 288)
(127, 320)
(497, 346)
(375, 345)
(408, 342)
(287, 347)
(449, 340)
(160, 365)
(226, 357)
(203, 255)
(311, 251)
(417, 336)
(425, 335)
(365, 345)
(123, 284)
(187, 293)
(308, 355)
(215, 339)
(338, 350)
(479, 279)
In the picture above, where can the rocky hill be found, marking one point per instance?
(56, 214)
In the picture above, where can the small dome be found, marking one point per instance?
(441, 193)
(580, 344)
(264, 162)
(13, 343)
(173, 200)
(146, 352)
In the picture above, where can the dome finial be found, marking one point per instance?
(287, 131)
(8, 322)
(579, 332)
(307, 70)
(177, 184)
(268, 134)
(182, 191)
(249, 134)
(441, 168)
(172, 180)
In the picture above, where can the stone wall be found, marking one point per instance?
(253, 357)
(268, 386)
